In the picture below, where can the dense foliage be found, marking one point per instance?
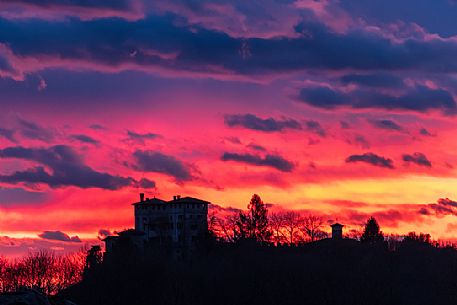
(372, 233)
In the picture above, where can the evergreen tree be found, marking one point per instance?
(371, 232)
(94, 259)
(254, 223)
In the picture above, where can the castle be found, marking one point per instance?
(174, 226)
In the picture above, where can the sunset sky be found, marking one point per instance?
(339, 108)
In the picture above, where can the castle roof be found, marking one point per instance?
(188, 200)
(151, 201)
(176, 199)
(336, 224)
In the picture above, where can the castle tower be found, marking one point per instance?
(337, 231)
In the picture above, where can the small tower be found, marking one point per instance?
(337, 231)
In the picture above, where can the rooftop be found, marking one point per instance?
(176, 199)
(336, 224)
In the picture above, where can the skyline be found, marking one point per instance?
(343, 109)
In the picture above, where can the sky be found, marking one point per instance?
(343, 109)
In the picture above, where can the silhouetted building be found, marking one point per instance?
(174, 227)
(131, 237)
(337, 231)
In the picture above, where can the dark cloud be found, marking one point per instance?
(372, 159)
(273, 161)
(387, 125)
(345, 125)
(153, 161)
(161, 42)
(324, 97)
(97, 127)
(67, 169)
(14, 196)
(59, 236)
(373, 80)
(85, 139)
(359, 140)
(425, 132)
(34, 131)
(7, 134)
(217, 209)
(443, 207)
(417, 158)
(420, 99)
(256, 147)
(315, 127)
(233, 140)
(146, 183)
(253, 122)
(141, 137)
(443, 20)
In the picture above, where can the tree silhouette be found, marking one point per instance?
(254, 223)
(419, 238)
(312, 227)
(292, 224)
(276, 222)
(371, 232)
(42, 270)
(93, 259)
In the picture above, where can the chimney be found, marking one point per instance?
(178, 196)
(174, 197)
(141, 197)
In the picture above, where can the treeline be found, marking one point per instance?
(257, 223)
(294, 228)
(248, 272)
(247, 264)
(42, 270)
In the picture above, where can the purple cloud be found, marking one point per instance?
(250, 121)
(269, 160)
(372, 159)
(59, 236)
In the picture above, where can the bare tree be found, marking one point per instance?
(69, 269)
(212, 222)
(355, 233)
(223, 227)
(312, 227)
(277, 227)
(292, 224)
(3, 267)
(41, 270)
